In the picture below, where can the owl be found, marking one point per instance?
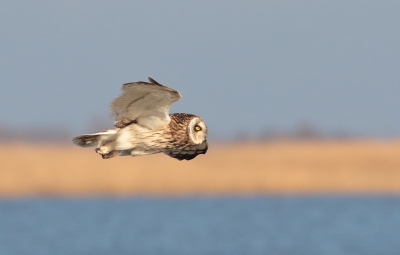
(144, 126)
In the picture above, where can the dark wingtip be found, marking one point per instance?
(186, 157)
(151, 80)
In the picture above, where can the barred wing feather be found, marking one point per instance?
(145, 103)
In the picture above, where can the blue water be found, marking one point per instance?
(255, 225)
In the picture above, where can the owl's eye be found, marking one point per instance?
(197, 128)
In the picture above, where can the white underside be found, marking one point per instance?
(134, 140)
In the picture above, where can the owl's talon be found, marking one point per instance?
(102, 150)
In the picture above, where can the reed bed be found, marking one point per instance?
(278, 168)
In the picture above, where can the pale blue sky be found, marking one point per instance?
(243, 66)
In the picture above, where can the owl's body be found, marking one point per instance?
(143, 126)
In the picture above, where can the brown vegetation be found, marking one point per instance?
(272, 168)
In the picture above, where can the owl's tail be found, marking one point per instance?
(100, 140)
(96, 139)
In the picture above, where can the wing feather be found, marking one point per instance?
(145, 103)
(190, 152)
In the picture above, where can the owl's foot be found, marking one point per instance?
(110, 154)
(103, 150)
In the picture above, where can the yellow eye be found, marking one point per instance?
(197, 128)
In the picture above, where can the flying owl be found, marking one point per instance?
(144, 126)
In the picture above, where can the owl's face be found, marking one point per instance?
(197, 130)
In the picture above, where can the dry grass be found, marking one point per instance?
(275, 168)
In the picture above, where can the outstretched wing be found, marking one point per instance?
(146, 103)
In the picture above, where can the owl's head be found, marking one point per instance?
(197, 130)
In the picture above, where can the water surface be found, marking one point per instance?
(227, 225)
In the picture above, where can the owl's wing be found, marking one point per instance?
(145, 103)
(189, 153)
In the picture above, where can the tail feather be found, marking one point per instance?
(96, 139)
(86, 140)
